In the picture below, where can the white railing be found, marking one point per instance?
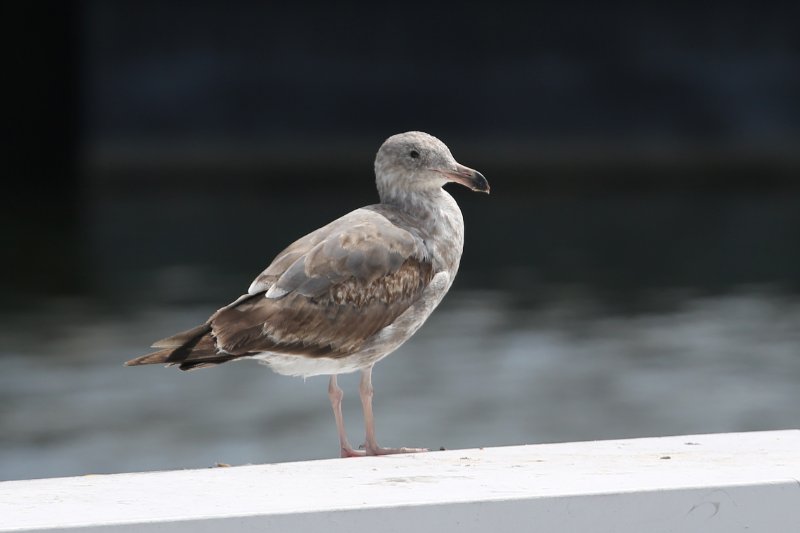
(699, 483)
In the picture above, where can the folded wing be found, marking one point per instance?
(324, 296)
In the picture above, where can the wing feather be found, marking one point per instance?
(323, 296)
(354, 279)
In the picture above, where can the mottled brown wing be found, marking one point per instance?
(329, 292)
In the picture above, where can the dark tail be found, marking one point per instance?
(194, 348)
(152, 358)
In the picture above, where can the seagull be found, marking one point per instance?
(350, 293)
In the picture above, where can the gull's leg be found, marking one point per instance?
(372, 448)
(335, 394)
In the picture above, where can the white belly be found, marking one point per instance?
(298, 365)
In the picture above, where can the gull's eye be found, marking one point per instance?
(414, 154)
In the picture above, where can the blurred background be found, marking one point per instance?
(635, 271)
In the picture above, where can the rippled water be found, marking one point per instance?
(484, 371)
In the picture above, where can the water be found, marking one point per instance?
(484, 371)
(574, 317)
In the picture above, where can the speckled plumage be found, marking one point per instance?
(348, 294)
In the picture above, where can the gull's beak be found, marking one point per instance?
(467, 177)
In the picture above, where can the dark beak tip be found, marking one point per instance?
(481, 184)
(470, 178)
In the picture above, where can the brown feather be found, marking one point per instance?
(179, 339)
(151, 358)
(334, 324)
(336, 288)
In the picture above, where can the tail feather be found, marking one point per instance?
(194, 348)
(153, 358)
(179, 339)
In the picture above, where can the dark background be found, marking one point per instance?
(634, 272)
(644, 145)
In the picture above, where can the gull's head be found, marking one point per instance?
(416, 162)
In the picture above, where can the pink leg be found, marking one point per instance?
(335, 394)
(372, 448)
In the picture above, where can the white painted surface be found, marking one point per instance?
(704, 483)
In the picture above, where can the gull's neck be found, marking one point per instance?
(418, 203)
(436, 213)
